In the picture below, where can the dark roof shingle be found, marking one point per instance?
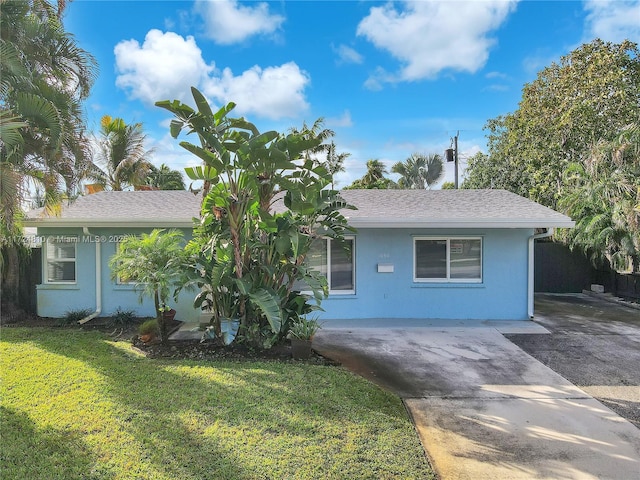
(376, 208)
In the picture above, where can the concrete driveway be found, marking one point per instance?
(484, 408)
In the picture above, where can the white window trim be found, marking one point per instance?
(448, 279)
(67, 239)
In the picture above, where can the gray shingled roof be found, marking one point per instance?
(161, 208)
(376, 208)
(449, 208)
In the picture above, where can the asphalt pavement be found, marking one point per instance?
(595, 344)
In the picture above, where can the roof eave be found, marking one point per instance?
(470, 223)
(54, 222)
(106, 223)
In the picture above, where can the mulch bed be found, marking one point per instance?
(216, 350)
(209, 350)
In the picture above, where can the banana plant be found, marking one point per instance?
(261, 252)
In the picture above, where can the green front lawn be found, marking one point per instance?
(76, 405)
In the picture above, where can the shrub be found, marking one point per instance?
(74, 316)
(122, 318)
(149, 327)
(304, 328)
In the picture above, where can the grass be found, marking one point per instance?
(76, 405)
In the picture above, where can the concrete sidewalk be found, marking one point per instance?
(485, 409)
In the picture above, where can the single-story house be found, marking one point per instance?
(441, 254)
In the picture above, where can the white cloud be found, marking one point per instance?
(272, 92)
(342, 121)
(347, 55)
(167, 65)
(430, 36)
(613, 20)
(164, 67)
(227, 22)
(496, 87)
(378, 78)
(499, 75)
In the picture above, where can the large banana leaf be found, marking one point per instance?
(202, 103)
(265, 300)
(202, 173)
(210, 158)
(268, 302)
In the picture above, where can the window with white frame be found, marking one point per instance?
(447, 259)
(335, 262)
(61, 260)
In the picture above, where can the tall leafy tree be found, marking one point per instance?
(122, 154)
(44, 77)
(589, 96)
(419, 171)
(562, 146)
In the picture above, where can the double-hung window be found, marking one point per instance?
(61, 260)
(447, 259)
(334, 262)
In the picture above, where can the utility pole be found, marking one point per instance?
(451, 155)
(455, 153)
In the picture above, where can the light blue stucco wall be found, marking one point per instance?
(501, 295)
(54, 300)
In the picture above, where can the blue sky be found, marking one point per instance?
(390, 78)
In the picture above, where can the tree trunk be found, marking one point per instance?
(11, 275)
(162, 324)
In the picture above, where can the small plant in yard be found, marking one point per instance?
(301, 333)
(122, 318)
(72, 317)
(149, 330)
(303, 328)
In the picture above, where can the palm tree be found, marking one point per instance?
(374, 178)
(435, 170)
(44, 77)
(375, 171)
(335, 162)
(315, 132)
(156, 262)
(164, 178)
(601, 193)
(122, 154)
(419, 171)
